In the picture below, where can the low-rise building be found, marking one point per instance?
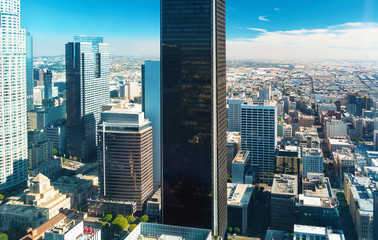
(289, 161)
(79, 188)
(312, 160)
(303, 232)
(358, 193)
(239, 200)
(154, 206)
(344, 162)
(317, 206)
(99, 207)
(167, 232)
(239, 166)
(338, 144)
(72, 229)
(233, 146)
(34, 207)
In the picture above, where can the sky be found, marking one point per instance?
(256, 29)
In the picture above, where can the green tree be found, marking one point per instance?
(132, 227)
(119, 224)
(64, 159)
(103, 224)
(55, 151)
(230, 229)
(131, 219)
(3, 236)
(108, 217)
(237, 230)
(1, 196)
(144, 218)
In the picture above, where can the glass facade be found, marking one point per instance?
(87, 73)
(194, 114)
(152, 108)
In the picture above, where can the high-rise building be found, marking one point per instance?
(13, 115)
(284, 193)
(29, 71)
(125, 156)
(233, 115)
(48, 84)
(194, 114)
(259, 136)
(151, 94)
(87, 71)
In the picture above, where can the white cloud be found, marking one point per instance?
(344, 41)
(258, 30)
(277, 9)
(263, 18)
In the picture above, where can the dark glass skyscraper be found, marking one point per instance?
(87, 72)
(194, 120)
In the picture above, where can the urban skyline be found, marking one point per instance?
(183, 143)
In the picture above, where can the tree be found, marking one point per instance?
(144, 218)
(108, 217)
(55, 151)
(3, 236)
(237, 230)
(131, 219)
(132, 227)
(103, 224)
(230, 229)
(119, 224)
(64, 159)
(1, 196)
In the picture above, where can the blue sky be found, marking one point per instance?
(289, 28)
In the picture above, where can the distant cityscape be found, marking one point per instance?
(188, 146)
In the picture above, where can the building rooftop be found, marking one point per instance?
(241, 157)
(312, 152)
(239, 194)
(334, 141)
(266, 103)
(284, 184)
(310, 229)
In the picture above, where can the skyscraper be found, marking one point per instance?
(259, 136)
(125, 156)
(29, 71)
(194, 114)
(13, 116)
(375, 223)
(87, 71)
(152, 108)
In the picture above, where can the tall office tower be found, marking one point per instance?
(265, 94)
(125, 156)
(233, 116)
(13, 125)
(48, 84)
(151, 94)
(259, 136)
(87, 71)
(193, 55)
(29, 71)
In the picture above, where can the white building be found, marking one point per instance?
(71, 229)
(336, 128)
(312, 160)
(303, 232)
(233, 115)
(259, 135)
(287, 131)
(13, 116)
